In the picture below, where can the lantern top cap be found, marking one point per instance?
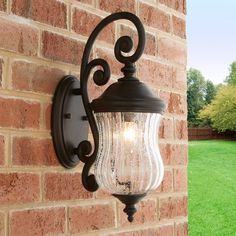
(128, 95)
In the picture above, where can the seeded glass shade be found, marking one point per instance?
(128, 160)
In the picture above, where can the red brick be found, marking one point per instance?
(2, 150)
(117, 6)
(181, 129)
(167, 183)
(154, 17)
(154, 73)
(50, 12)
(24, 39)
(47, 115)
(2, 223)
(179, 27)
(172, 50)
(180, 180)
(150, 45)
(84, 23)
(166, 130)
(176, 154)
(178, 5)
(1, 71)
(165, 230)
(19, 113)
(91, 217)
(90, 2)
(64, 186)
(147, 212)
(48, 221)
(3, 5)
(36, 78)
(176, 103)
(60, 48)
(100, 193)
(181, 229)
(179, 79)
(19, 188)
(172, 207)
(33, 151)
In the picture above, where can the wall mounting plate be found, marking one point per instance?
(69, 127)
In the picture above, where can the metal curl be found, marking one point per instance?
(100, 77)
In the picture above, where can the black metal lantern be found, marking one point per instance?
(124, 122)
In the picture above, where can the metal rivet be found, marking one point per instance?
(68, 115)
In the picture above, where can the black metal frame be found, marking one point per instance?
(128, 94)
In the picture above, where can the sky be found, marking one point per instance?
(211, 37)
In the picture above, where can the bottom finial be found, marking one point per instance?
(130, 201)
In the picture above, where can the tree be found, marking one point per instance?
(195, 95)
(231, 78)
(210, 91)
(222, 110)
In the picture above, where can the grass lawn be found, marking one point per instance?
(212, 188)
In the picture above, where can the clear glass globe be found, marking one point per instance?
(128, 160)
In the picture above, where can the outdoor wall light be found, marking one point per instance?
(124, 122)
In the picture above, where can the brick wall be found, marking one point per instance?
(42, 40)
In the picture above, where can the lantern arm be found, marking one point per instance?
(100, 77)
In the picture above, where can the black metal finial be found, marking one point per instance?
(130, 200)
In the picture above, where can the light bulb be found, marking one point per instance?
(128, 160)
(129, 133)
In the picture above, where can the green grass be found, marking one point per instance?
(212, 188)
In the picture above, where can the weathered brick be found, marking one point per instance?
(150, 45)
(154, 73)
(47, 116)
(172, 50)
(84, 23)
(33, 151)
(154, 17)
(166, 130)
(19, 188)
(147, 212)
(2, 150)
(50, 12)
(23, 39)
(18, 113)
(175, 154)
(176, 103)
(47, 221)
(34, 77)
(64, 186)
(167, 183)
(117, 6)
(2, 224)
(90, 2)
(171, 207)
(179, 27)
(60, 48)
(180, 180)
(101, 216)
(3, 5)
(178, 5)
(165, 230)
(181, 129)
(181, 229)
(1, 71)
(179, 79)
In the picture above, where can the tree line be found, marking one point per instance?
(212, 105)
